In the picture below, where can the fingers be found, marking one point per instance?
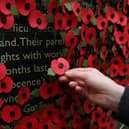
(81, 91)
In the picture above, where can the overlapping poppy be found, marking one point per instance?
(71, 56)
(76, 8)
(92, 60)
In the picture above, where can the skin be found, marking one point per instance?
(91, 83)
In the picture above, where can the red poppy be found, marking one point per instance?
(71, 21)
(112, 15)
(3, 71)
(62, 125)
(76, 8)
(90, 35)
(11, 113)
(117, 81)
(114, 70)
(65, 101)
(83, 31)
(6, 21)
(121, 38)
(71, 56)
(6, 6)
(102, 23)
(1, 103)
(92, 60)
(100, 8)
(126, 29)
(75, 95)
(6, 85)
(47, 90)
(76, 121)
(71, 40)
(97, 114)
(96, 45)
(87, 15)
(102, 68)
(88, 106)
(1, 127)
(53, 8)
(59, 116)
(60, 66)
(48, 112)
(85, 124)
(63, 5)
(26, 6)
(105, 37)
(37, 19)
(81, 60)
(75, 107)
(124, 69)
(83, 49)
(125, 82)
(45, 124)
(122, 19)
(104, 52)
(125, 7)
(125, 51)
(111, 124)
(116, 60)
(60, 22)
(94, 127)
(29, 122)
(38, 116)
(20, 127)
(23, 95)
(115, 51)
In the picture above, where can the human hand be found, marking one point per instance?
(91, 83)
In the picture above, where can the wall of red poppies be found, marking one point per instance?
(95, 34)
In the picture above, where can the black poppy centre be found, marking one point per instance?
(45, 127)
(63, 127)
(78, 10)
(3, 85)
(69, 22)
(90, 35)
(72, 40)
(54, 10)
(27, 6)
(61, 65)
(8, 6)
(60, 22)
(24, 95)
(12, 114)
(49, 113)
(60, 116)
(3, 20)
(49, 90)
(114, 70)
(121, 38)
(103, 24)
(29, 125)
(125, 69)
(88, 16)
(121, 19)
(39, 21)
(112, 15)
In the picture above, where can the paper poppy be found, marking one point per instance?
(76, 8)
(47, 90)
(100, 7)
(97, 114)
(60, 66)
(83, 31)
(92, 60)
(63, 5)
(76, 121)
(6, 6)
(104, 52)
(112, 15)
(53, 8)
(24, 95)
(71, 40)
(111, 124)
(124, 69)
(121, 38)
(102, 23)
(3, 71)
(6, 85)
(83, 49)
(87, 15)
(62, 125)
(45, 124)
(11, 113)
(71, 21)
(81, 60)
(114, 70)
(26, 6)
(59, 116)
(38, 116)
(1, 102)
(29, 122)
(105, 37)
(96, 45)
(90, 35)
(85, 124)
(88, 106)
(75, 107)
(71, 56)
(65, 102)
(116, 60)
(48, 112)
(103, 68)
(60, 22)
(122, 19)
(125, 82)
(75, 95)
(125, 52)
(6, 21)
(37, 19)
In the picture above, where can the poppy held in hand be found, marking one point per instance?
(6, 85)
(11, 113)
(37, 19)
(23, 95)
(26, 6)
(60, 66)
(6, 6)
